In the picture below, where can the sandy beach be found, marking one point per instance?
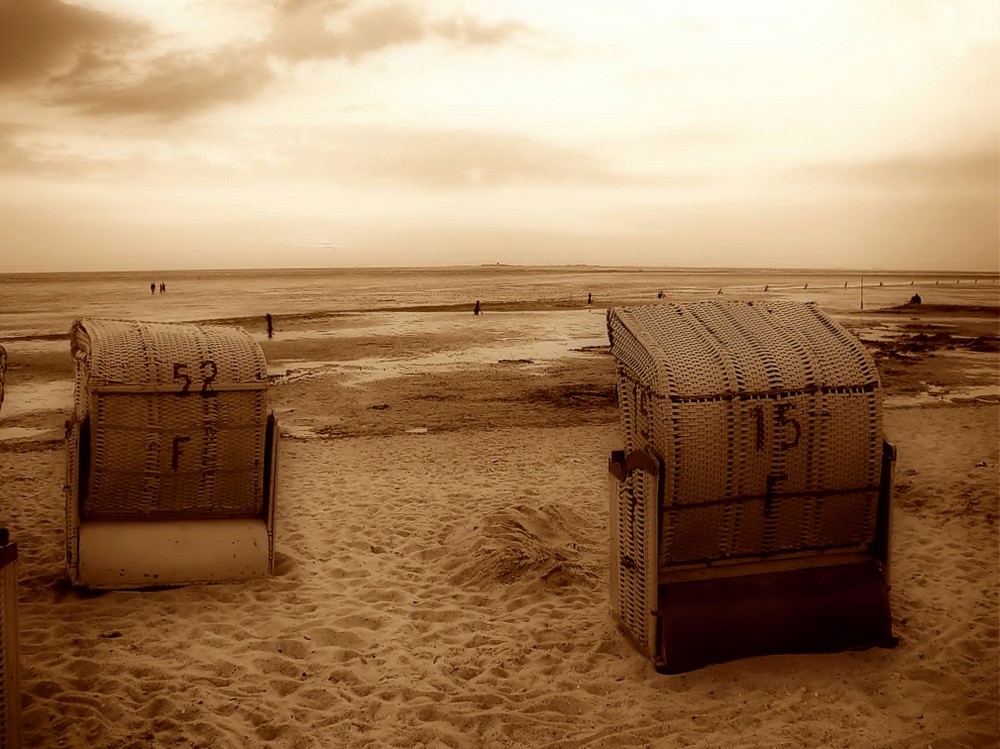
(441, 555)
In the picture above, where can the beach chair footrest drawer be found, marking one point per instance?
(822, 609)
(140, 554)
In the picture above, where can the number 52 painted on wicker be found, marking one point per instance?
(781, 421)
(208, 371)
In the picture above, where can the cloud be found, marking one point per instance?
(16, 159)
(105, 64)
(314, 29)
(24, 151)
(352, 158)
(95, 64)
(13, 158)
(470, 32)
(38, 36)
(449, 160)
(169, 86)
(300, 31)
(973, 170)
(20, 155)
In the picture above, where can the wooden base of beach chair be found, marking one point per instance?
(821, 609)
(142, 553)
(10, 677)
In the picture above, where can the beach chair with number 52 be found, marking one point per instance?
(171, 456)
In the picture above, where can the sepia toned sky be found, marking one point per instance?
(168, 134)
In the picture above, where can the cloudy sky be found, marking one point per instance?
(158, 134)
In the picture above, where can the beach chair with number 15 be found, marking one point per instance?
(750, 506)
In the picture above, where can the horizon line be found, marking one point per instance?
(513, 266)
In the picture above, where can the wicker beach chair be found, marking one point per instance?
(171, 456)
(749, 510)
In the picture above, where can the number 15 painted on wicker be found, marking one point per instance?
(781, 421)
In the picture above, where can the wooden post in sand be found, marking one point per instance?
(475, 311)
(270, 325)
(862, 291)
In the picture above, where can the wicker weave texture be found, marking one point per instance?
(175, 419)
(631, 606)
(768, 421)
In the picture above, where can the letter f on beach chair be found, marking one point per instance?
(171, 456)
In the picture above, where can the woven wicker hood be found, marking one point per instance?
(717, 350)
(130, 352)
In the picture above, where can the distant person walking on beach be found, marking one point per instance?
(152, 288)
(163, 287)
